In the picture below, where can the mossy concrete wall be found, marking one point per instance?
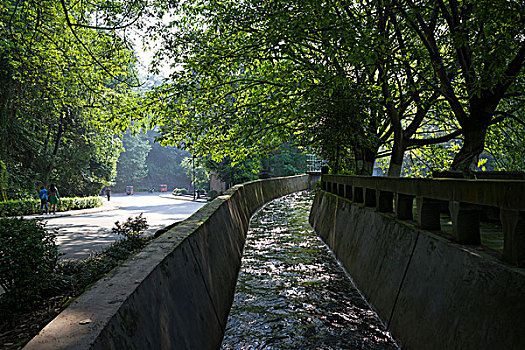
(432, 293)
(176, 293)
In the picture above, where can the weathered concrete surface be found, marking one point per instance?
(176, 293)
(434, 294)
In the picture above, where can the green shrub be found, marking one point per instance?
(179, 191)
(132, 228)
(213, 194)
(32, 206)
(79, 203)
(28, 258)
(76, 275)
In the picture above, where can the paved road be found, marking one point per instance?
(79, 235)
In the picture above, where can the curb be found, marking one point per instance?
(182, 198)
(70, 213)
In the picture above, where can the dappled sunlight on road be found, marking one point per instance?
(78, 241)
(79, 236)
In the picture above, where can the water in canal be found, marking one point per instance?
(292, 293)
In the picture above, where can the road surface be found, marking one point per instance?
(79, 235)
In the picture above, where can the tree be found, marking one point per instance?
(164, 166)
(60, 79)
(234, 173)
(197, 172)
(131, 166)
(477, 52)
(249, 87)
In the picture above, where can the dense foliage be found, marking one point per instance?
(28, 259)
(353, 80)
(62, 78)
(39, 287)
(438, 83)
(146, 164)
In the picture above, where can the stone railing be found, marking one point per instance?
(465, 198)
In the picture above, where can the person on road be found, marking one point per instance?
(108, 192)
(43, 200)
(53, 198)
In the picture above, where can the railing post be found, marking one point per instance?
(348, 192)
(341, 191)
(513, 223)
(358, 194)
(465, 222)
(404, 206)
(385, 201)
(370, 197)
(428, 213)
(323, 185)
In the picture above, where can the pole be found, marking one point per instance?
(194, 177)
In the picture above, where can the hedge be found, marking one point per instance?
(32, 206)
(28, 258)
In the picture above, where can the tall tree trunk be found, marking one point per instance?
(398, 154)
(467, 158)
(364, 160)
(46, 141)
(51, 164)
(336, 161)
(474, 134)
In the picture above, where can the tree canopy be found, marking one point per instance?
(64, 74)
(428, 83)
(255, 74)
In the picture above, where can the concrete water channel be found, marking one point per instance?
(432, 292)
(292, 293)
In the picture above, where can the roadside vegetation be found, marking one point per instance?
(32, 206)
(38, 285)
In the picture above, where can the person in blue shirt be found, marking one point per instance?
(43, 200)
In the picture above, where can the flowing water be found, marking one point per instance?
(292, 293)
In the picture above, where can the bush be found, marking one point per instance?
(79, 203)
(32, 206)
(28, 258)
(213, 194)
(179, 191)
(132, 228)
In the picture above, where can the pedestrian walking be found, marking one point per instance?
(43, 200)
(108, 192)
(54, 198)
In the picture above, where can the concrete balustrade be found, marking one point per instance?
(513, 222)
(348, 192)
(432, 293)
(404, 206)
(384, 201)
(428, 213)
(358, 194)
(370, 197)
(465, 199)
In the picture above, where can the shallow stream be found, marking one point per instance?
(292, 293)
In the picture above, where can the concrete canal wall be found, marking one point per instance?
(176, 293)
(434, 294)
